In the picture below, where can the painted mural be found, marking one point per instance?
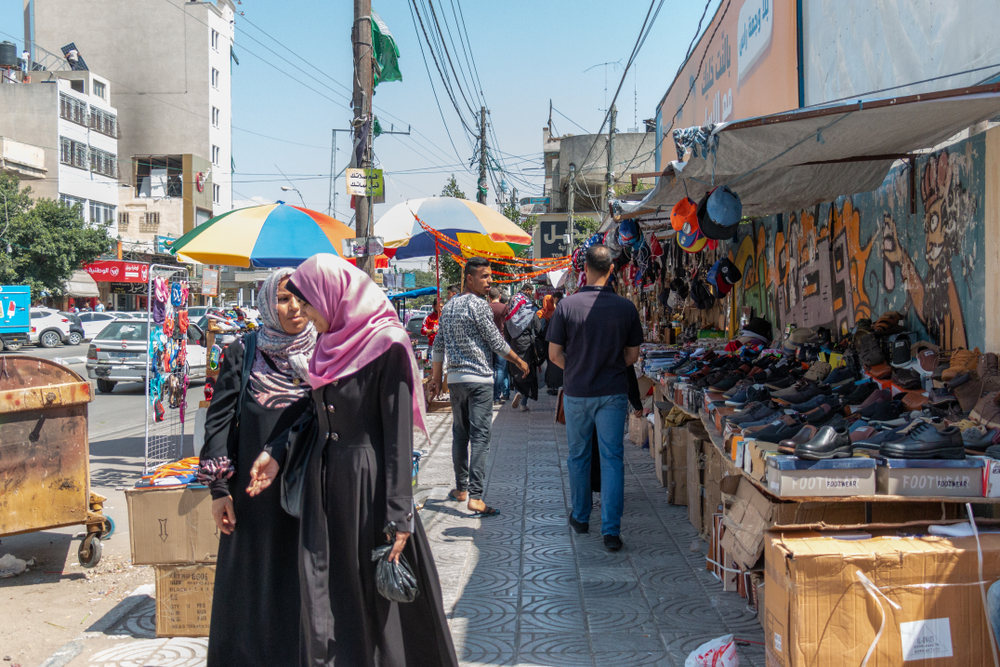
(866, 254)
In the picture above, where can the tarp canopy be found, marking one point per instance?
(80, 284)
(413, 294)
(794, 160)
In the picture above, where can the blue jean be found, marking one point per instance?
(993, 607)
(607, 415)
(501, 379)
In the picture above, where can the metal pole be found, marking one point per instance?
(331, 208)
(572, 197)
(609, 178)
(363, 84)
(481, 194)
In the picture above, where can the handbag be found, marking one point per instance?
(560, 412)
(299, 442)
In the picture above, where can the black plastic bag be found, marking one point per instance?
(394, 581)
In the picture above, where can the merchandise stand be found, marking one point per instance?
(164, 432)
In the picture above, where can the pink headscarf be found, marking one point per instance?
(363, 324)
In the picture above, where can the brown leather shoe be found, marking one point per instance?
(805, 435)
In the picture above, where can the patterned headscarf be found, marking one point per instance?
(289, 352)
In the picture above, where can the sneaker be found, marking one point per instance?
(810, 392)
(781, 383)
(884, 411)
(524, 407)
(811, 404)
(751, 414)
(517, 401)
(580, 528)
(782, 428)
(824, 413)
(726, 383)
(860, 393)
(961, 362)
(613, 542)
(838, 375)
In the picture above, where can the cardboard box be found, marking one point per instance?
(637, 429)
(712, 477)
(719, 414)
(719, 562)
(171, 526)
(651, 435)
(749, 514)
(759, 592)
(911, 477)
(756, 457)
(788, 476)
(676, 471)
(820, 611)
(695, 470)
(991, 478)
(184, 600)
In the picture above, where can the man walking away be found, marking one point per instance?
(521, 328)
(469, 335)
(501, 381)
(594, 336)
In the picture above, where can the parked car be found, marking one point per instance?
(118, 354)
(427, 308)
(413, 328)
(76, 331)
(48, 327)
(196, 312)
(94, 323)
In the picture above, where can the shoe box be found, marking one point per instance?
(930, 477)
(171, 525)
(672, 462)
(789, 476)
(991, 477)
(878, 595)
(184, 600)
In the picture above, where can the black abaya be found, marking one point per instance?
(255, 611)
(359, 479)
(525, 347)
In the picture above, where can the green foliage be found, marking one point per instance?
(585, 227)
(48, 239)
(451, 189)
(622, 189)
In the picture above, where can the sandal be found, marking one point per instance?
(455, 499)
(481, 514)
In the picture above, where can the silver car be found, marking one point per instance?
(118, 354)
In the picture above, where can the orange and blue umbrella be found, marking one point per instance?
(475, 226)
(265, 236)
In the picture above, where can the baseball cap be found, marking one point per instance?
(719, 213)
(685, 212)
(723, 275)
(693, 242)
(628, 233)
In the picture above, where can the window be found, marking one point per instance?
(215, 78)
(100, 90)
(86, 317)
(104, 122)
(73, 153)
(215, 155)
(72, 109)
(215, 40)
(150, 222)
(122, 221)
(215, 116)
(216, 194)
(71, 201)
(103, 162)
(101, 213)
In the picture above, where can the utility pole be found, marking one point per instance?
(362, 102)
(572, 195)
(332, 207)
(609, 178)
(481, 194)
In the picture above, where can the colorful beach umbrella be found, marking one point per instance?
(265, 236)
(470, 223)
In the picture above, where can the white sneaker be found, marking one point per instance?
(517, 401)
(524, 407)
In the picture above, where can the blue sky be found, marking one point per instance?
(525, 52)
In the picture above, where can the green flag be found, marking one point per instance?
(386, 52)
(376, 128)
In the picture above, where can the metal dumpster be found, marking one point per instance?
(45, 453)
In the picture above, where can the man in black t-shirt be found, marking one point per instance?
(594, 336)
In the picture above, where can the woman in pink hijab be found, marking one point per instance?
(368, 396)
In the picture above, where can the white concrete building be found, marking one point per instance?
(67, 116)
(170, 64)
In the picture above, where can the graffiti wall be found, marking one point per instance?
(867, 254)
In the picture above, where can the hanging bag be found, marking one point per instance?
(300, 440)
(394, 581)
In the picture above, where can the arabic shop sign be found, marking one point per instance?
(116, 271)
(755, 29)
(365, 182)
(744, 65)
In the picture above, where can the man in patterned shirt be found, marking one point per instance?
(470, 337)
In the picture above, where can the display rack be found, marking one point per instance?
(164, 436)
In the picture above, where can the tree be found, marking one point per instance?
(451, 189)
(48, 240)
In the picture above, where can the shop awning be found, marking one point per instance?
(80, 284)
(413, 294)
(794, 160)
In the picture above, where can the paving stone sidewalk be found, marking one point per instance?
(522, 588)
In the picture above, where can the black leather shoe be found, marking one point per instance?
(580, 528)
(613, 542)
(780, 429)
(828, 443)
(926, 442)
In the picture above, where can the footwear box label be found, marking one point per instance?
(953, 481)
(823, 483)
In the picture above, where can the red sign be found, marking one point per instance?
(116, 271)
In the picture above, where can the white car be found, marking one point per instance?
(48, 327)
(118, 354)
(93, 323)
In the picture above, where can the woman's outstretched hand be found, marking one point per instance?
(264, 471)
(397, 547)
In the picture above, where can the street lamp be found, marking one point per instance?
(288, 188)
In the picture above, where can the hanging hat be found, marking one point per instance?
(641, 260)
(655, 247)
(693, 242)
(685, 212)
(722, 276)
(719, 213)
(611, 240)
(628, 233)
